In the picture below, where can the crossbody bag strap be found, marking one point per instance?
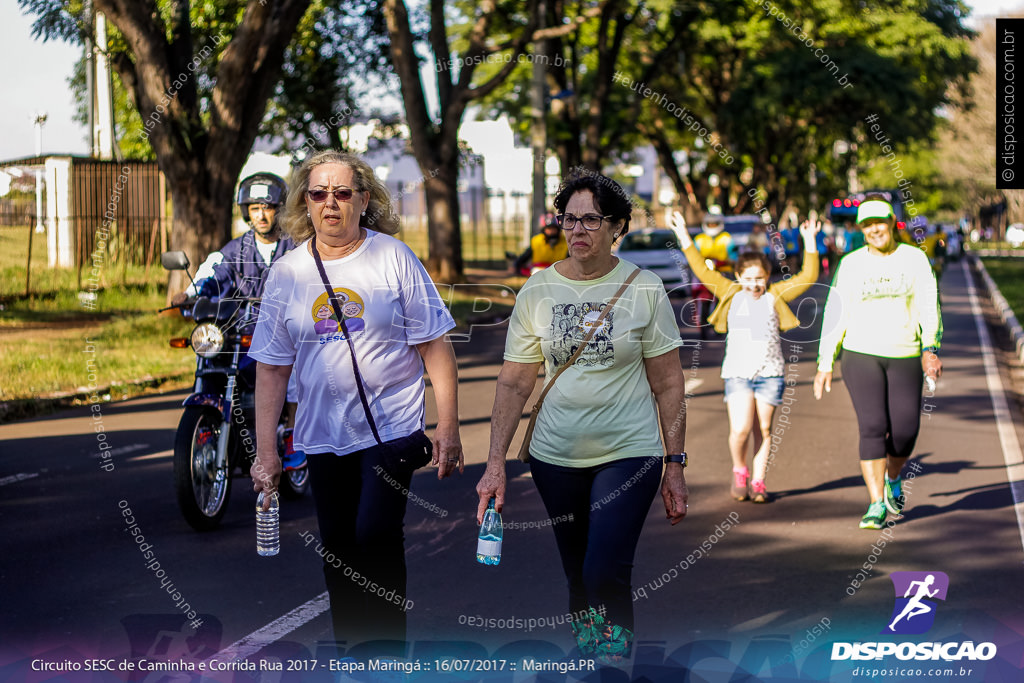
(351, 347)
(586, 340)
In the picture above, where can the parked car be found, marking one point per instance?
(741, 228)
(1015, 235)
(657, 250)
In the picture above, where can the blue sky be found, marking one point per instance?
(34, 77)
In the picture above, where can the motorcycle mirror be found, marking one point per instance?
(174, 260)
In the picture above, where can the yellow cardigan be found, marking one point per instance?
(724, 289)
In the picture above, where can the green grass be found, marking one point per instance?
(1008, 274)
(113, 348)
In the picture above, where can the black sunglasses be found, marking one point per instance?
(342, 194)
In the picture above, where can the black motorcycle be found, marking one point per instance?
(216, 434)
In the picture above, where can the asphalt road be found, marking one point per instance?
(781, 583)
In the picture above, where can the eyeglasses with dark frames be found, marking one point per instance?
(589, 221)
(342, 194)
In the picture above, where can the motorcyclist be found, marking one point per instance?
(546, 247)
(245, 261)
(241, 267)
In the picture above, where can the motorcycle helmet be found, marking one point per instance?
(713, 222)
(261, 188)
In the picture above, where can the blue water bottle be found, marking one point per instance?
(488, 544)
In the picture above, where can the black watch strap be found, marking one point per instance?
(676, 457)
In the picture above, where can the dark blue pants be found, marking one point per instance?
(360, 506)
(608, 504)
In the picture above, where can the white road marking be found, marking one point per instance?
(15, 478)
(120, 451)
(152, 456)
(257, 640)
(1012, 454)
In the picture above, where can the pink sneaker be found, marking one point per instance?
(758, 491)
(739, 483)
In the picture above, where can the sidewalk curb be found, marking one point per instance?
(17, 409)
(1003, 308)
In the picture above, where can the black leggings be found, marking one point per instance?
(608, 505)
(886, 393)
(360, 506)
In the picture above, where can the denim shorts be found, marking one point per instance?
(765, 389)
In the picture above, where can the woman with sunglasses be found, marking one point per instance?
(601, 436)
(360, 383)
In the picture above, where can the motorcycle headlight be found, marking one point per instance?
(207, 340)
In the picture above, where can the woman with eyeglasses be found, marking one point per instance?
(359, 354)
(599, 448)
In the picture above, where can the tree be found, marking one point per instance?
(435, 142)
(592, 121)
(966, 152)
(200, 80)
(738, 91)
(778, 91)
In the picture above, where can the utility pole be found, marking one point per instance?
(39, 119)
(103, 131)
(538, 128)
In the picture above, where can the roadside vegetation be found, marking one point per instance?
(1008, 274)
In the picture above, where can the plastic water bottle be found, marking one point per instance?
(488, 544)
(268, 526)
(929, 383)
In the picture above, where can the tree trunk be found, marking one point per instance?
(201, 223)
(444, 262)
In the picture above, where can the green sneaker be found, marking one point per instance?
(586, 634)
(894, 498)
(614, 643)
(874, 518)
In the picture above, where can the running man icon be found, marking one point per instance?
(918, 590)
(915, 606)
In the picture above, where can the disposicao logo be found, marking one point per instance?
(913, 614)
(916, 592)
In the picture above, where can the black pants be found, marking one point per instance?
(608, 505)
(360, 507)
(886, 394)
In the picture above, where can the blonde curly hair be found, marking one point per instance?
(380, 213)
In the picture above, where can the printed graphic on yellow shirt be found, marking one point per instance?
(326, 322)
(570, 323)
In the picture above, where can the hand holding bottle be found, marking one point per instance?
(488, 544)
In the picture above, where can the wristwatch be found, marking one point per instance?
(931, 349)
(676, 457)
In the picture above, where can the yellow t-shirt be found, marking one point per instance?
(716, 248)
(545, 254)
(601, 409)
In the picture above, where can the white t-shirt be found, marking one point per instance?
(389, 304)
(884, 305)
(752, 347)
(600, 409)
(266, 250)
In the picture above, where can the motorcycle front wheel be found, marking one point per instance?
(202, 488)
